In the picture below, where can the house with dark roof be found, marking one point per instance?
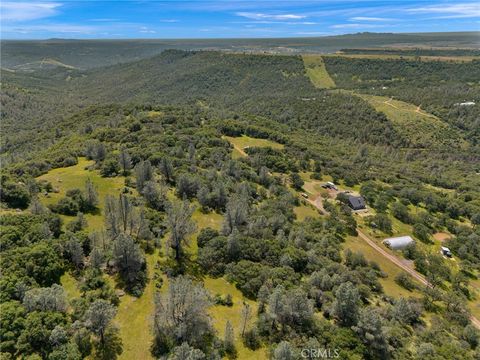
(356, 202)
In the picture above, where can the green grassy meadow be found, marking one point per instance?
(317, 72)
(243, 142)
(305, 210)
(220, 314)
(419, 127)
(75, 177)
(135, 318)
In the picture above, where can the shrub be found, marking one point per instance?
(405, 281)
(225, 301)
(421, 232)
(15, 195)
(251, 339)
(205, 235)
(66, 206)
(110, 168)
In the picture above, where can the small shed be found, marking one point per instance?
(356, 202)
(398, 243)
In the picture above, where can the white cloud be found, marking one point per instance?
(260, 16)
(169, 20)
(25, 11)
(461, 10)
(276, 22)
(367, 18)
(145, 30)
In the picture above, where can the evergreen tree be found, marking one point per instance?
(346, 304)
(130, 262)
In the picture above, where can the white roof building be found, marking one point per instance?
(397, 243)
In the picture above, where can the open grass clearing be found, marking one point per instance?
(221, 314)
(317, 72)
(135, 318)
(304, 211)
(422, 129)
(75, 177)
(244, 142)
(474, 305)
(70, 284)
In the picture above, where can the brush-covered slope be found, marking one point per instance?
(178, 76)
(273, 86)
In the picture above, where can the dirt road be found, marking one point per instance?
(318, 204)
(404, 267)
(392, 258)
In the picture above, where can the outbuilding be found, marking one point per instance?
(398, 243)
(356, 202)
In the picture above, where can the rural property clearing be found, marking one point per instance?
(244, 142)
(417, 276)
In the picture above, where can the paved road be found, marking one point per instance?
(318, 204)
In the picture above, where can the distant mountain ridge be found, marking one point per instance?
(86, 54)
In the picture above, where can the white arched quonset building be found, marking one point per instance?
(398, 243)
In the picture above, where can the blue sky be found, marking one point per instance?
(230, 19)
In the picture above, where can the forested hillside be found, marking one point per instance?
(437, 87)
(173, 208)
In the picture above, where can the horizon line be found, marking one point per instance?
(244, 38)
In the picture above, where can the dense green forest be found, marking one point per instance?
(120, 183)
